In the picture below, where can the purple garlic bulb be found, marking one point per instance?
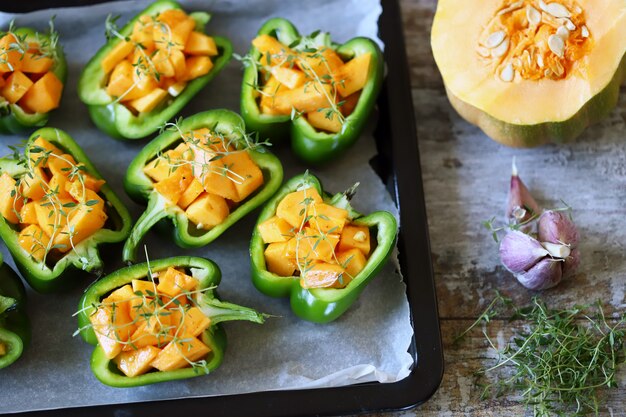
(519, 252)
(556, 227)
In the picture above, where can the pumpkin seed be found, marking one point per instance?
(495, 39)
(533, 15)
(557, 68)
(547, 73)
(569, 24)
(556, 45)
(511, 8)
(540, 61)
(563, 33)
(484, 52)
(556, 10)
(508, 73)
(501, 49)
(584, 32)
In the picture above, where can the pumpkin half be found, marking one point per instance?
(529, 72)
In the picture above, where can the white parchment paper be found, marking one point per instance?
(368, 343)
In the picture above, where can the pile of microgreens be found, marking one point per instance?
(60, 212)
(560, 359)
(308, 49)
(152, 308)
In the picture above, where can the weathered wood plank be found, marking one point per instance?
(466, 178)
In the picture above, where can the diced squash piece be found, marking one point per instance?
(137, 362)
(111, 325)
(34, 183)
(143, 336)
(147, 288)
(352, 76)
(61, 165)
(216, 176)
(272, 51)
(179, 65)
(10, 200)
(197, 66)
(175, 185)
(58, 185)
(85, 221)
(349, 103)
(16, 86)
(35, 63)
(275, 229)
(34, 241)
(177, 354)
(121, 79)
(354, 236)
(353, 261)
(328, 219)
(44, 95)
(324, 275)
(40, 142)
(322, 62)
(193, 191)
(192, 323)
(162, 63)
(85, 196)
(200, 44)
(10, 58)
(267, 102)
(173, 282)
(148, 102)
(180, 300)
(3, 349)
(142, 32)
(50, 217)
(276, 261)
(289, 77)
(247, 176)
(90, 182)
(310, 245)
(28, 213)
(294, 206)
(323, 120)
(185, 151)
(174, 29)
(117, 54)
(306, 98)
(207, 211)
(159, 168)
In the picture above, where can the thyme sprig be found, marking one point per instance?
(559, 361)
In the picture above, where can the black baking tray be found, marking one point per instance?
(398, 164)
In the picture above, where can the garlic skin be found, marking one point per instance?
(521, 205)
(556, 227)
(547, 273)
(571, 264)
(519, 252)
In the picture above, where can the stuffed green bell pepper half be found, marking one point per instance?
(204, 173)
(157, 321)
(14, 324)
(55, 210)
(150, 69)
(320, 93)
(33, 72)
(317, 250)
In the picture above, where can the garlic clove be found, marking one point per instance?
(519, 252)
(571, 263)
(556, 227)
(521, 205)
(557, 250)
(545, 274)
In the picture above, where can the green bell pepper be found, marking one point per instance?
(322, 305)
(56, 274)
(14, 119)
(311, 145)
(116, 119)
(14, 324)
(208, 274)
(140, 188)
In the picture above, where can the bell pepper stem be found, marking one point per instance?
(219, 311)
(156, 211)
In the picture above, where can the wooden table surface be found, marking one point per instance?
(466, 179)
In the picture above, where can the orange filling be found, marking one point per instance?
(206, 176)
(533, 40)
(314, 240)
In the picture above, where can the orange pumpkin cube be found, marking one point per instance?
(289, 77)
(310, 245)
(192, 323)
(160, 168)
(207, 211)
(137, 362)
(353, 261)
(349, 103)
(352, 76)
(179, 353)
(162, 63)
(328, 219)
(294, 206)
(267, 103)
(247, 176)
(45, 146)
(35, 63)
(83, 222)
(354, 236)
(28, 213)
(306, 98)
(324, 120)
(197, 66)
(179, 65)
(276, 261)
(272, 51)
(173, 282)
(112, 325)
(173, 29)
(34, 184)
(275, 230)
(44, 95)
(10, 200)
(142, 32)
(58, 185)
(324, 275)
(34, 241)
(323, 62)
(144, 336)
(61, 165)
(193, 191)
(216, 176)
(16, 87)
(119, 52)
(173, 187)
(148, 102)
(200, 44)
(10, 57)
